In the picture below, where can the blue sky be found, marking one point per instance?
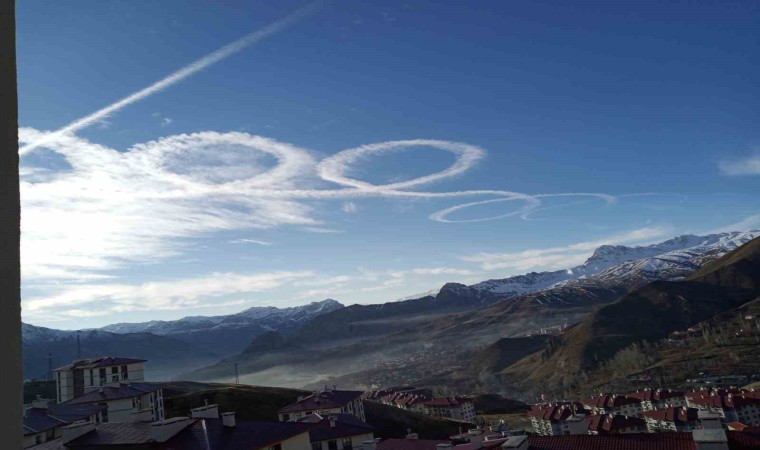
(241, 184)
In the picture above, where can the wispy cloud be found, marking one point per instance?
(250, 241)
(350, 207)
(749, 223)
(166, 121)
(560, 257)
(160, 295)
(749, 165)
(196, 66)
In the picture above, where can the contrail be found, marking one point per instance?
(179, 75)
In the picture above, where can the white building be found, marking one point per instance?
(558, 419)
(456, 408)
(86, 375)
(131, 402)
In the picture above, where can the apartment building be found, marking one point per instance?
(456, 408)
(125, 402)
(652, 399)
(86, 375)
(613, 404)
(557, 419)
(325, 402)
(672, 419)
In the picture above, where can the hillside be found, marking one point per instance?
(430, 339)
(262, 403)
(166, 356)
(648, 313)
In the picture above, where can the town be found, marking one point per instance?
(106, 403)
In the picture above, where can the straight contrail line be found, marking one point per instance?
(179, 75)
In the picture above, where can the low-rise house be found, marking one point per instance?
(652, 399)
(125, 402)
(734, 405)
(325, 402)
(456, 408)
(613, 404)
(556, 419)
(672, 419)
(614, 424)
(87, 375)
(338, 432)
(42, 424)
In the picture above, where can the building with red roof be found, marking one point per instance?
(733, 405)
(555, 419)
(613, 404)
(325, 402)
(672, 419)
(652, 399)
(457, 408)
(614, 424)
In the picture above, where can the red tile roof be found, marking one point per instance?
(556, 411)
(680, 415)
(724, 399)
(654, 395)
(608, 423)
(323, 400)
(609, 401)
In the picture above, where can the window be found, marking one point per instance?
(102, 374)
(332, 445)
(92, 377)
(114, 369)
(316, 446)
(347, 445)
(124, 373)
(285, 417)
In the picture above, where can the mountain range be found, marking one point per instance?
(461, 318)
(647, 313)
(328, 339)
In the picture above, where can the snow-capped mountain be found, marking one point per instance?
(671, 259)
(266, 317)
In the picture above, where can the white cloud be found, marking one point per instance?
(350, 207)
(747, 224)
(560, 257)
(156, 295)
(166, 121)
(749, 165)
(250, 241)
(113, 208)
(187, 71)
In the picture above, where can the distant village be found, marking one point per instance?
(106, 403)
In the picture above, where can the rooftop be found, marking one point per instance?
(326, 399)
(114, 392)
(104, 361)
(676, 415)
(346, 425)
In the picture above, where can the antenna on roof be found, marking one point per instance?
(79, 347)
(237, 375)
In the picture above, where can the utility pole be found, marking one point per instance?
(50, 367)
(11, 377)
(237, 375)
